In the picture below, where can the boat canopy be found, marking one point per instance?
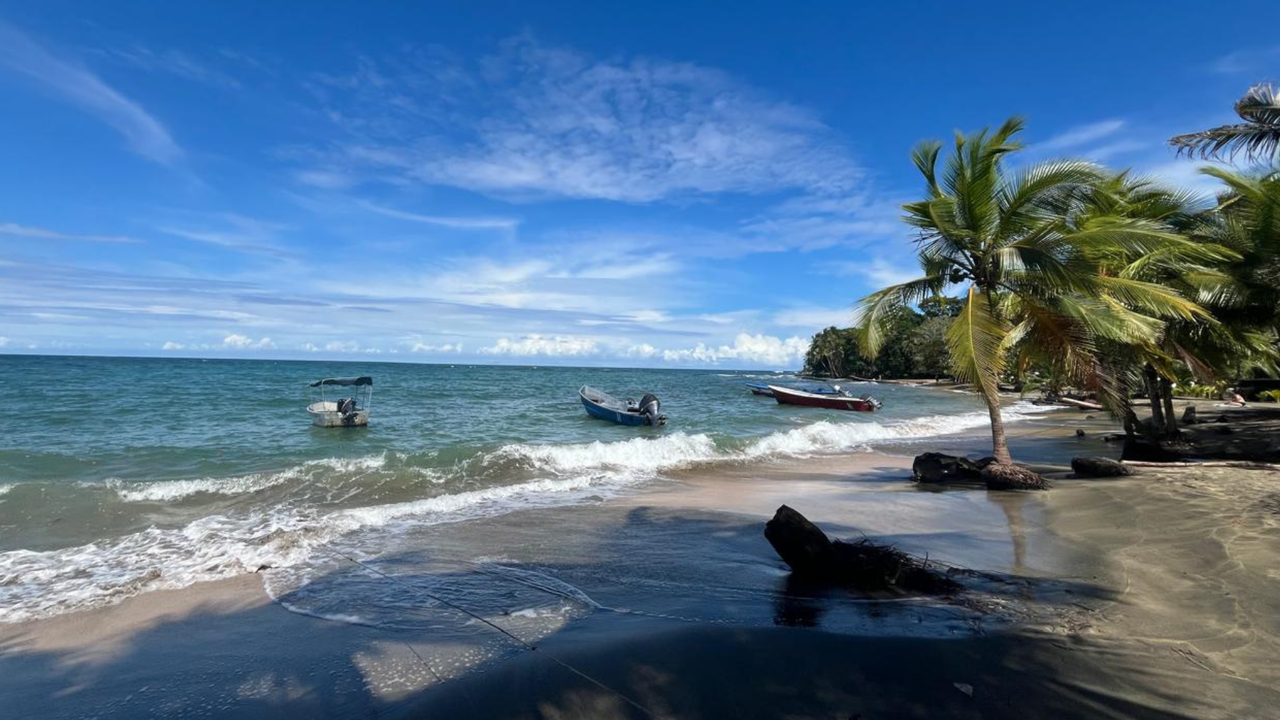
(358, 381)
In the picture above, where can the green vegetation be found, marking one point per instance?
(1270, 396)
(1068, 274)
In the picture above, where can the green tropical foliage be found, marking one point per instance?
(1258, 137)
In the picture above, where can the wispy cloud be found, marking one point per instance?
(814, 318)
(1081, 135)
(456, 222)
(74, 84)
(233, 232)
(1249, 60)
(44, 234)
(553, 122)
(170, 62)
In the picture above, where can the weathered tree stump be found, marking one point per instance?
(1012, 477)
(1099, 467)
(863, 565)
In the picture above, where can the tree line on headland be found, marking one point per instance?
(1074, 275)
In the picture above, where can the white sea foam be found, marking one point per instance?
(41, 584)
(171, 490)
(4, 489)
(645, 455)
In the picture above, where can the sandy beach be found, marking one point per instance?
(1147, 596)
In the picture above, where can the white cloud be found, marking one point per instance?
(44, 234)
(436, 349)
(559, 123)
(753, 349)
(533, 345)
(171, 345)
(241, 342)
(4, 341)
(63, 78)
(643, 351)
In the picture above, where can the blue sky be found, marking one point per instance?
(640, 184)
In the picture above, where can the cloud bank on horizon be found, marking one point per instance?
(540, 191)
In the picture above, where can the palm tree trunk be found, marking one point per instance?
(1153, 392)
(1170, 418)
(999, 443)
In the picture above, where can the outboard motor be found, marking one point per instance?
(650, 407)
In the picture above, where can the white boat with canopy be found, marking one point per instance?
(344, 411)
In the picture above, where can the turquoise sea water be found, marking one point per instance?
(122, 475)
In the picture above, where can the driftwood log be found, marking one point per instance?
(862, 564)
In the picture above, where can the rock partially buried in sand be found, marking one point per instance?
(1012, 477)
(863, 565)
(1099, 467)
(1189, 415)
(933, 467)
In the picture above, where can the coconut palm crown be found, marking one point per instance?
(1024, 247)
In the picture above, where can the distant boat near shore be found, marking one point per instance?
(790, 396)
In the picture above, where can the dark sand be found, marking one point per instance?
(1150, 596)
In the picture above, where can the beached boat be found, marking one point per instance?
(790, 396)
(344, 411)
(606, 407)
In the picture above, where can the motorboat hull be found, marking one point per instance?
(325, 414)
(604, 407)
(786, 396)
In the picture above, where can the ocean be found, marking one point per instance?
(124, 475)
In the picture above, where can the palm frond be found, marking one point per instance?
(974, 340)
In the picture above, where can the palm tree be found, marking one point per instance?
(1024, 252)
(1258, 137)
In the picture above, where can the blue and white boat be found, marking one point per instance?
(607, 407)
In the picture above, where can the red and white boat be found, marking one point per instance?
(789, 396)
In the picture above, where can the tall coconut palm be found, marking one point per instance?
(1258, 137)
(1022, 250)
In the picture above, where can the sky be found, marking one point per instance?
(598, 183)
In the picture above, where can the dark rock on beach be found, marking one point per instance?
(1189, 415)
(932, 467)
(862, 565)
(1099, 467)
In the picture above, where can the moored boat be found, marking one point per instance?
(760, 389)
(790, 396)
(345, 411)
(606, 407)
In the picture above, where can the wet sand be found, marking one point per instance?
(1149, 596)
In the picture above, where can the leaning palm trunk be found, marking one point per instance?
(999, 442)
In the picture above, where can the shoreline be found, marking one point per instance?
(1097, 622)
